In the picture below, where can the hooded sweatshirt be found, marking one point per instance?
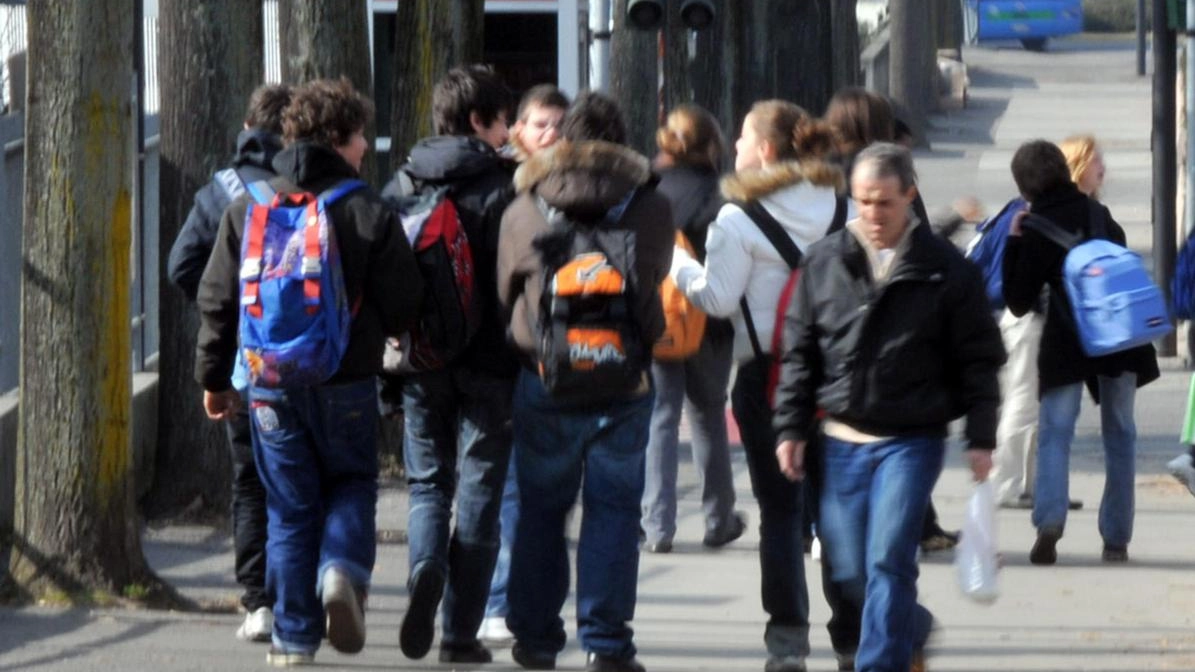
(740, 261)
(583, 180)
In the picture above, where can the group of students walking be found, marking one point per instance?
(856, 335)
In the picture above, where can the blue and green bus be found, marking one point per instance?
(1033, 22)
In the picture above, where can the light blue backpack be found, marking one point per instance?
(1115, 304)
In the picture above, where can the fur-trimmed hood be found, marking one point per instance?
(583, 179)
(752, 185)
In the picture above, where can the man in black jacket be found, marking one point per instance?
(257, 145)
(457, 419)
(1031, 262)
(315, 445)
(891, 336)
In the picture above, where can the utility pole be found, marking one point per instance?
(1164, 159)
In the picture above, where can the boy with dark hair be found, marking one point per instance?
(588, 187)
(457, 418)
(315, 444)
(256, 146)
(1033, 261)
(540, 112)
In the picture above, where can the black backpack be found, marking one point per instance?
(590, 345)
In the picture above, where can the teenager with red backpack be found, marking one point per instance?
(344, 278)
(457, 416)
(783, 185)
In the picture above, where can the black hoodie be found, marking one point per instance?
(481, 188)
(188, 256)
(379, 270)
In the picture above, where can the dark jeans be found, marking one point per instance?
(597, 450)
(316, 450)
(781, 517)
(248, 513)
(456, 448)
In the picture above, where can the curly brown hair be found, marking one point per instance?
(266, 106)
(326, 112)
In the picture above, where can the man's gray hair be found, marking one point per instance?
(885, 159)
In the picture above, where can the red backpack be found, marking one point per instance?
(779, 238)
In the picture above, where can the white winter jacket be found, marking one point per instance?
(740, 260)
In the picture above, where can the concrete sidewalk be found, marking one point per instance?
(700, 610)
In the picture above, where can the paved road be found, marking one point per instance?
(699, 610)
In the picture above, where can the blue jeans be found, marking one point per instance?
(781, 517)
(316, 452)
(557, 449)
(874, 497)
(1059, 411)
(699, 385)
(508, 517)
(456, 446)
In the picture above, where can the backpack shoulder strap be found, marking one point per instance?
(261, 192)
(1053, 232)
(339, 190)
(839, 221)
(774, 232)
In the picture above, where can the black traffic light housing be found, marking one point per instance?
(649, 14)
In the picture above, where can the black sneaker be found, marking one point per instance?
(734, 529)
(1115, 553)
(939, 540)
(419, 625)
(472, 652)
(602, 663)
(533, 660)
(662, 546)
(1044, 551)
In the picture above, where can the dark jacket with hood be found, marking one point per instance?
(380, 274)
(899, 358)
(188, 256)
(480, 183)
(584, 180)
(1031, 262)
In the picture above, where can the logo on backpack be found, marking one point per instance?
(684, 323)
(294, 322)
(589, 343)
(451, 310)
(1115, 304)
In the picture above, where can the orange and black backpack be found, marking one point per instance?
(590, 345)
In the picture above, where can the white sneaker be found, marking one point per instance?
(494, 633)
(344, 605)
(1182, 468)
(257, 626)
(815, 550)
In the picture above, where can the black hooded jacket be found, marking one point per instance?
(188, 256)
(481, 188)
(1032, 261)
(380, 274)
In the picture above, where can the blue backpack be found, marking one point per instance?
(1115, 304)
(987, 251)
(1182, 286)
(294, 320)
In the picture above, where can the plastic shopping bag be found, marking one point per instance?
(976, 558)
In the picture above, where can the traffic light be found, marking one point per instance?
(649, 14)
(645, 14)
(697, 14)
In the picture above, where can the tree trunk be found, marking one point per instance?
(714, 70)
(633, 79)
(799, 47)
(948, 24)
(207, 76)
(422, 28)
(912, 57)
(677, 90)
(75, 528)
(469, 34)
(328, 39)
(845, 42)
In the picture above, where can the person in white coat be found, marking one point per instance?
(781, 174)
